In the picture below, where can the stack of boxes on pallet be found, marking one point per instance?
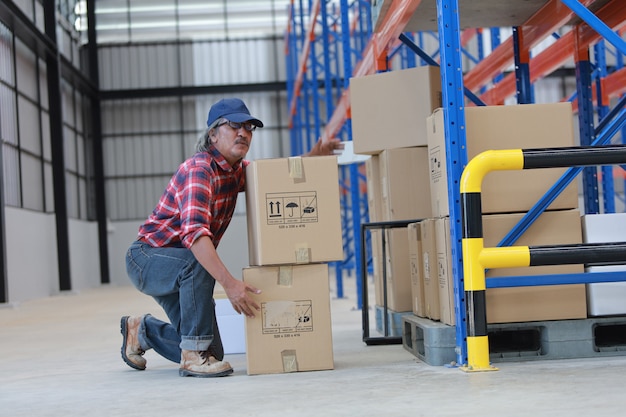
(396, 120)
(294, 230)
(508, 195)
(389, 112)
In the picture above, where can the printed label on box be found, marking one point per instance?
(287, 316)
(435, 164)
(289, 208)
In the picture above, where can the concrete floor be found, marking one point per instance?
(60, 356)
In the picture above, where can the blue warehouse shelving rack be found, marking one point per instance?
(599, 99)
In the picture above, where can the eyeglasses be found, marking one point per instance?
(249, 126)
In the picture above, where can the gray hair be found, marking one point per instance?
(204, 141)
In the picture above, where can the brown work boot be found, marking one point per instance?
(202, 364)
(131, 349)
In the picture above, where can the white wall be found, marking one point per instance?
(31, 255)
(32, 265)
(84, 254)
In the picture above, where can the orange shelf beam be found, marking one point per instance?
(545, 21)
(613, 85)
(553, 57)
(549, 18)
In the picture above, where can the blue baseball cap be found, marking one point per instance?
(232, 109)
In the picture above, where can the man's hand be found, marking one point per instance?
(326, 147)
(237, 292)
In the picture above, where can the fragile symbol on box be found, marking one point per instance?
(287, 208)
(287, 316)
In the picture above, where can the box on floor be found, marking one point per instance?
(292, 332)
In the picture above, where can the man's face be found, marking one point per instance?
(232, 143)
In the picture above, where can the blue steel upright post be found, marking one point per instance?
(456, 154)
(292, 70)
(355, 197)
(522, 70)
(585, 121)
(328, 99)
(608, 186)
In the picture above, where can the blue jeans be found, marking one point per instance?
(184, 289)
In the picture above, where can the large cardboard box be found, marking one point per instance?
(374, 192)
(293, 211)
(535, 303)
(444, 271)
(506, 127)
(389, 110)
(428, 243)
(416, 269)
(404, 184)
(292, 332)
(605, 298)
(397, 270)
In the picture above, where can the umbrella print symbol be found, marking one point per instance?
(292, 205)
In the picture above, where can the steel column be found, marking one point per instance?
(522, 72)
(585, 120)
(97, 149)
(456, 155)
(58, 154)
(4, 277)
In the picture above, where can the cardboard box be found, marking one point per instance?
(398, 274)
(374, 192)
(293, 211)
(506, 127)
(444, 271)
(404, 184)
(389, 109)
(535, 303)
(415, 267)
(292, 332)
(428, 243)
(606, 298)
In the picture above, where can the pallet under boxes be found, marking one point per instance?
(435, 343)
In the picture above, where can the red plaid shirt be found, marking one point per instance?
(198, 201)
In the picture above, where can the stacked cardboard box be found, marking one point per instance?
(294, 230)
(506, 196)
(389, 112)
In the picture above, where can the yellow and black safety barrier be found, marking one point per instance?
(477, 258)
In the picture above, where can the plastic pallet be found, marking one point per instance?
(431, 341)
(394, 321)
(560, 339)
(435, 343)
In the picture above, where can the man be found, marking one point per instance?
(174, 258)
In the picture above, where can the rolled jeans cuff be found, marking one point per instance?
(198, 344)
